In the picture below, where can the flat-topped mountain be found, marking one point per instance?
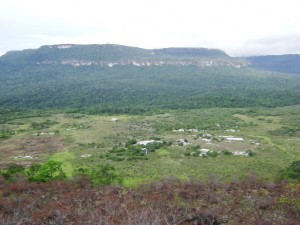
(111, 55)
(108, 52)
(122, 79)
(78, 52)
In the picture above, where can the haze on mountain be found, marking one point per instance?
(240, 28)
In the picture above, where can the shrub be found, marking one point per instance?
(130, 142)
(193, 147)
(104, 175)
(226, 152)
(12, 169)
(187, 153)
(212, 154)
(153, 146)
(32, 170)
(116, 158)
(43, 125)
(4, 134)
(50, 170)
(293, 171)
(251, 153)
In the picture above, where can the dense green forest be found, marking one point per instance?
(174, 78)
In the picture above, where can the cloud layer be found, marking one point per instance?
(238, 27)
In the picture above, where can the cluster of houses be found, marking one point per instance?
(186, 130)
(208, 138)
(184, 142)
(147, 142)
(232, 138)
(205, 152)
(70, 129)
(25, 157)
(42, 133)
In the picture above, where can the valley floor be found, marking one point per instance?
(227, 143)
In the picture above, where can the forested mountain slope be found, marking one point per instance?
(114, 78)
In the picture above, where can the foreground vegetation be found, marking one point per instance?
(250, 201)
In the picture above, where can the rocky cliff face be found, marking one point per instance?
(116, 55)
(199, 63)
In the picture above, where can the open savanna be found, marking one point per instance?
(272, 134)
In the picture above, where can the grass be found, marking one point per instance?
(162, 152)
(66, 157)
(273, 153)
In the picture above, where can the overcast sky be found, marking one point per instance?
(239, 27)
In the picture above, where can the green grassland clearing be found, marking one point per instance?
(78, 140)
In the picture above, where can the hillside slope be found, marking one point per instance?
(113, 78)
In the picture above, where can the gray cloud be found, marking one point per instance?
(238, 27)
(271, 45)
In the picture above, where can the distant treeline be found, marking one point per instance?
(131, 89)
